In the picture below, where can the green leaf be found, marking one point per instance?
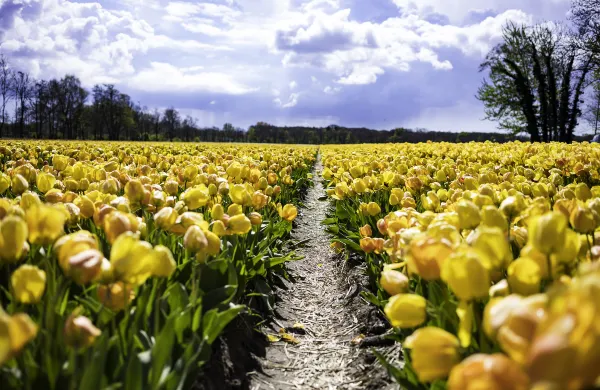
(134, 375)
(93, 373)
(348, 243)
(214, 321)
(161, 351)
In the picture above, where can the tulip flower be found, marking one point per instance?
(79, 331)
(85, 266)
(467, 273)
(406, 310)
(194, 239)
(427, 256)
(46, 223)
(524, 276)
(434, 352)
(289, 212)
(15, 332)
(548, 232)
(13, 239)
(28, 283)
(482, 371)
(239, 224)
(393, 282)
(115, 296)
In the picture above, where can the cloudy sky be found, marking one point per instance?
(374, 63)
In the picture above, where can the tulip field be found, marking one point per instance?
(121, 264)
(483, 258)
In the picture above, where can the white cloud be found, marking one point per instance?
(52, 37)
(293, 84)
(331, 90)
(213, 102)
(165, 77)
(292, 101)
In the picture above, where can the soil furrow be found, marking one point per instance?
(324, 357)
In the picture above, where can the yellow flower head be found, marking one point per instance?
(28, 283)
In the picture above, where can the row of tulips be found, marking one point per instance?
(121, 264)
(483, 257)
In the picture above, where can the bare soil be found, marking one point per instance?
(325, 305)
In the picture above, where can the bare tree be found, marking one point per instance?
(6, 87)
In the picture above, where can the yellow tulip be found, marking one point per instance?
(163, 262)
(217, 211)
(240, 195)
(289, 212)
(194, 239)
(45, 181)
(19, 184)
(259, 200)
(239, 224)
(393, 282)
(4, 182)
(165, 218)
(46, 223)
(15, 332)
(468, 214)
(235, 209)
(218, 228)
(71, 245)
(28, 283)
(547, 233)
(134, 261)
(13, 239)
(213, 247)
(134, 191)
(427, 256)
(582, 219)
(467, 273)
(79, 331)
(406, 310)
(494, 243)
(373, 209)
(85, 266)
(366, 231)
(524, 276)
(255, 218)
(115, 296)
(516, 334)
(482, 371)
(434, 352)
(196, 197)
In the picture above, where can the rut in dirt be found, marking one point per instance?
(325, 357)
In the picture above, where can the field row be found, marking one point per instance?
(483, 258)
(121, 264)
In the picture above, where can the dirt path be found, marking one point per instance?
(325, 357)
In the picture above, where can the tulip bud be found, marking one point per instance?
(218, 228)
(134, 191)
(373, 209)
(85, 266)
(467, 273)
(468, 214)
(28, 284)
(289, 212)
(165, 218)
(582, 219)
(434, 352)
(19, 184)
(255, 218)
(524, 276)
(494, 371)
(217, 211)
(406, 310)
(239, 224)
(393, 282)
(547, 233)
(115, 296)
(194, 239)
(366, 231)
(13, 238)
(79, 332)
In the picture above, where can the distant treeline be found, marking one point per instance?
(64, 109)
